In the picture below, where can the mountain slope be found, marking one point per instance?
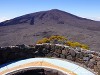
(31, 27)
(56, 16)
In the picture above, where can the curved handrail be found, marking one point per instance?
(60, 65)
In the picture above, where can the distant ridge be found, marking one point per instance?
(55, 16)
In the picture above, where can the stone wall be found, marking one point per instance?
(87, 58)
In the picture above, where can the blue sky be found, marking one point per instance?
(83, 8)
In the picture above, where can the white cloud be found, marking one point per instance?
(3, 19)
(94, 18)
(97, 18)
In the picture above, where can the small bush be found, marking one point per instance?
(56, 39)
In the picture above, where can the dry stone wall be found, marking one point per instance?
(87, 58)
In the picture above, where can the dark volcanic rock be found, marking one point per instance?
(32, 21)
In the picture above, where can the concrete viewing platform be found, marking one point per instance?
(66, 67)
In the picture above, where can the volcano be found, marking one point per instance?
(29, 28)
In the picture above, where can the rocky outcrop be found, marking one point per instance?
(87, 58)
